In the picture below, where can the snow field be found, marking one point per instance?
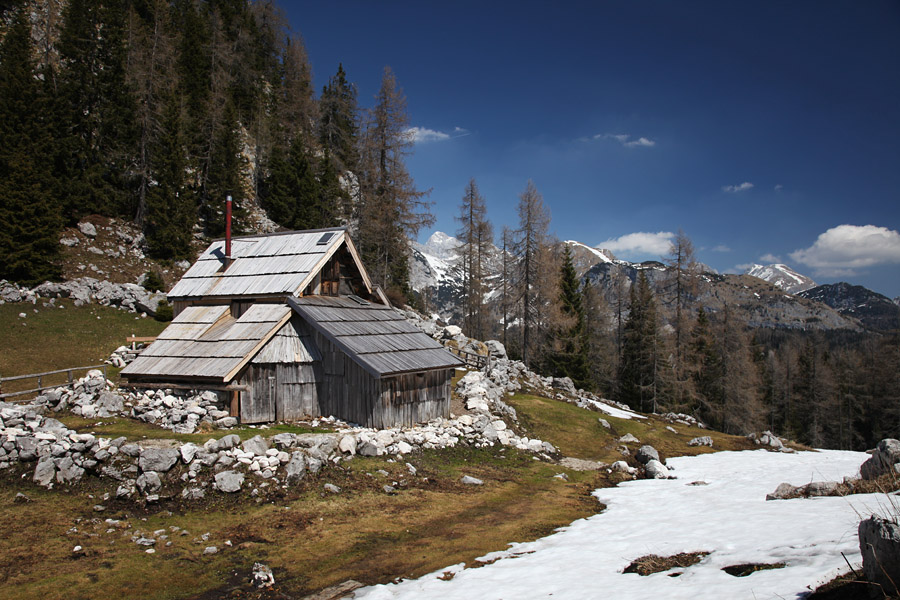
(729, 518)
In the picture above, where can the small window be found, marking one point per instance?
(325, 238)
(358, 300)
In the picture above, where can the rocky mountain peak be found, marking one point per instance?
(782, 277)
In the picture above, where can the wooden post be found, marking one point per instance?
(69, 374)
(40, 384)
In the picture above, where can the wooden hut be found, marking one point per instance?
(291, 327)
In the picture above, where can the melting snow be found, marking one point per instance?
(729, 518)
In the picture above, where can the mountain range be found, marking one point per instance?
(770, 296)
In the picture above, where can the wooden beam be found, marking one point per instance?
(228, 377)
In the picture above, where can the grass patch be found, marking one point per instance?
(311, 539)
(650, 564)
(578, 433)
(52, 338)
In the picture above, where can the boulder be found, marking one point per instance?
(45, 472)
(784, 491)
(226, 443)
(87, 229)
(188, 452)
(879, 544)
(111, 402)
(883, 460)
(160, 460)
(821, 488)
(646, 453)
(257, 445)
(565, 384)
(229, 481)
(451, 331)
(295, 469)
(496, 349)
(656, 470)
(469, 480)
(620, 466)
(629, 439)
(348, 444)
(149, 482)
(67, 471)
(330, 487)
(701, 441)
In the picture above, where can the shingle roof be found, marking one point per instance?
(377, 337)
(261, 265)
(207, 342)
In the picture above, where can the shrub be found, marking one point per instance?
(153, 282)
(164, 311)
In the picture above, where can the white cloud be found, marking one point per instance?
(740, 268)
(625, 140)
(420, 135)
(841, 250)
(640, 243)
(721, 248)
(778, 187)
(423, 135)
(640, 142)
(770, 258)
(741, 187)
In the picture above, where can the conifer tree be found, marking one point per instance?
(569, 357)
(171, 207)
(475, 235)
(531, 248)
(97, 132)
(641, 365)
(392, 210)
(29, 243)
(224, 178)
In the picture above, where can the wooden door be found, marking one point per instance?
(258, 405)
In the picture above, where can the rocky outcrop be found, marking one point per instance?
(885, 459)
(879, 544)
(84, 290)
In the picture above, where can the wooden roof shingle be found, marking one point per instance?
(207, 342)
(377, 337)
(262, 265)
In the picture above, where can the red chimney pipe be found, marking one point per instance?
(227, 231)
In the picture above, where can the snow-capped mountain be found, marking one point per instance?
(782, 277)
(438, 281)
(874, 310)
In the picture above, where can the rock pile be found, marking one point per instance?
(84, 290)
(770, 440)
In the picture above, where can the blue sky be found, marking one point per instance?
(767, 131)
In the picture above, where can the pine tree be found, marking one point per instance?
(682, 287)
(338, 125)
(641, 365)
(569, 357)
(531, 249)
(600, 340)
(475, 235)
(392, 210)
(171, 206)
(97, 131)
(29, 243)
(224, 177)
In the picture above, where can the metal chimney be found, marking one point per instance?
(227, 231)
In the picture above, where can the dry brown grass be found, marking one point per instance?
(650, 564)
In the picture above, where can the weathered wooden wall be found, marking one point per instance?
(281, 392)
(414, 398)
